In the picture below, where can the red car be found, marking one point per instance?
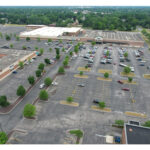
(126, 89)
(119, 81)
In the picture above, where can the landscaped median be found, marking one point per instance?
(97, 108)
(104, 79)
(74, 104)
(84, 69)
(81, 76)
(146, 76)
(127, 74)
(104, 71)
(135, 114)
(127, 82)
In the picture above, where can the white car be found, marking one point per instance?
(42, 86)
(54, 83)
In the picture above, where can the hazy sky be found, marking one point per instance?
(75, 2)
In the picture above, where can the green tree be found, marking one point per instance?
(36, 48)
(127, 70)
(57, 56)
(86, 66)
(69, 99)
(57, 51)
(106, 74)
(41, 66)
(17, 38)
(76, 49)
(3, 101)
(65, 62)
(93, 43)
(60, 41)
(78, 133)
(11, 45)
(38, 39)
(43, 95)
(21, 91)
(7, 37)
(50, 49)
(130, 79)
(27, 39)
(47, 61)
(102, 104)
(63, 49)
(31, 80)
(29, 111)
(125, 55)
(61, 70)
(81, 73)
(38, 73)
(119, 122)
(3, 138)
(24, 47)
(21, 64)
(147, 124)
(49, 40)
(107, 53)
(41, 51)
(48, 81)
(71, 53)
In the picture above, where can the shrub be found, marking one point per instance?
(41, 51)
(106, 74)
(47, 81)
(126, 70)
(24, 47)
(7, 37)
(61, 70)
(146, 124)
(119, 122)
(102, 104)
(93, 43)
(38, 73)
(130, 79)
(17, 38)
(31, 80)
(86, 66)
(63, 49)
(27, 39)
(50, 49)
(65, 63)
(21, 91)
(3, 101)
(21, 65)
(3, 138)
(29, 110)
(57, 56)
(125, 54)
(78, 133)
(71, 53)
(36, 48)
(43, 95)
(49, 40)
(38, 39)
(41, 66)
(11, 45)
(81, 73)
(69, 99)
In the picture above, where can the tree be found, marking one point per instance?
(47, 61)
(69, 99)
(86, 66)
(41, 66)
(47, 81)
(21, 91)
(50, 49)
(31, 80)
(21, 64)
(107, 53)
(76, 49)
(65, 62)
(119, 122)
(49, 40)
(67, 58)
(106, 74)
(78, 133)
(43, 95)
(63, 49)
(41, 51)
(125, 54)
(57, 51)
(57, 56)
(38, 39)
(61, 70)
(127, 70)
(7, 37)
(93, 43)
(102, 104)
(17, 38)
(81, 73)
(71, 53)
(147, 124)
(3, 101)
(36, 48)
(130, 79)
(38, 73)
(29, 111)
(24, 47)
(27, 39)
(3, 138)
(11, 45)
(60, 41)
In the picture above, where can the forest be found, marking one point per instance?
(98, 18)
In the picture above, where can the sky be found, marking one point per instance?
(74, 2)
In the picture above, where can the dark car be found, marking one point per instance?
(96, 101)
(141, 65)
(128, 60)
(125, 89)
(14, 72)
(89, 65)
(119, 81)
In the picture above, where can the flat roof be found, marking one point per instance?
(49, 32)
(9, 56)
(137, 134)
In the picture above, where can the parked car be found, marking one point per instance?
(14, 72)
(125, 89)
(109, 61)
(96, 101)
(81, 85)
(103, 61)
(54, 83)
(119, 81)
(42, 86)
(141, 65)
